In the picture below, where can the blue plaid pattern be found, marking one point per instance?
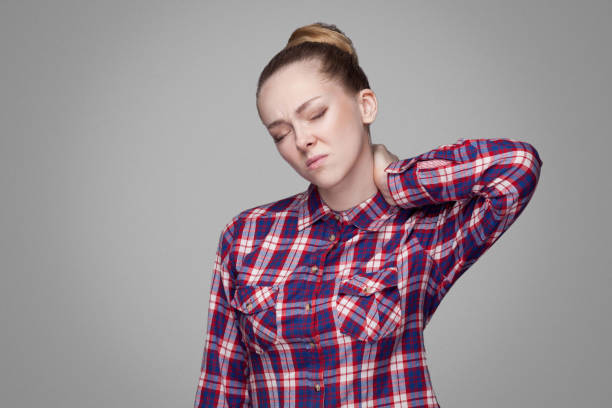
(314, 308)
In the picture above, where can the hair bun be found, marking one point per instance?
(322, 32)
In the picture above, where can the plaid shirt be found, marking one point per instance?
(315, 308)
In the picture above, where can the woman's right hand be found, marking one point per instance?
(382, 159)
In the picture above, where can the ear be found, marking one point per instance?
(368, 105)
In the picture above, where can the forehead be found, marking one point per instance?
(292, 85)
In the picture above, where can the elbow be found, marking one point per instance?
(531, 165)
(526, 174)
(517, 175)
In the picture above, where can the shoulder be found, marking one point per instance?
(287, 207)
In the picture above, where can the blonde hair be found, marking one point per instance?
(325, 33)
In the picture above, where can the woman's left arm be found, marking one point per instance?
(472, 191)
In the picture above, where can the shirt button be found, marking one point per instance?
(307, 307)
(332, 237)
(314, 268)
(317, 387)
(310, 345)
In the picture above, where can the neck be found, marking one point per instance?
(356, 187)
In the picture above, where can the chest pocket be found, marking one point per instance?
(368, 306)
(256, 307)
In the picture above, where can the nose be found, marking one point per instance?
(304, 138)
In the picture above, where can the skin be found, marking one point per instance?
(334, 123)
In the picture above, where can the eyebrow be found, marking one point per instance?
(297, 111)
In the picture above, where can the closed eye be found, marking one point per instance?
(319, 115)
(277, 140)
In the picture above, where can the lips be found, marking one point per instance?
(313, 159)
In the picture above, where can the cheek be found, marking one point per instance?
(284, 154)
(347, 125)
(289, 154)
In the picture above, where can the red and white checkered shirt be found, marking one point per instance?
(315, 308)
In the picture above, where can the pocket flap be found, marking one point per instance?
(252, 299)
(368, 284)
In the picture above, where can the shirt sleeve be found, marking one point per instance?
(223, 379)
(470, 193)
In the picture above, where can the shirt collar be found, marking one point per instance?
(370, 214)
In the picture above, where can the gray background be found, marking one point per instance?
(129, 137)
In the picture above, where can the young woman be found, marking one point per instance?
(321, 298)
